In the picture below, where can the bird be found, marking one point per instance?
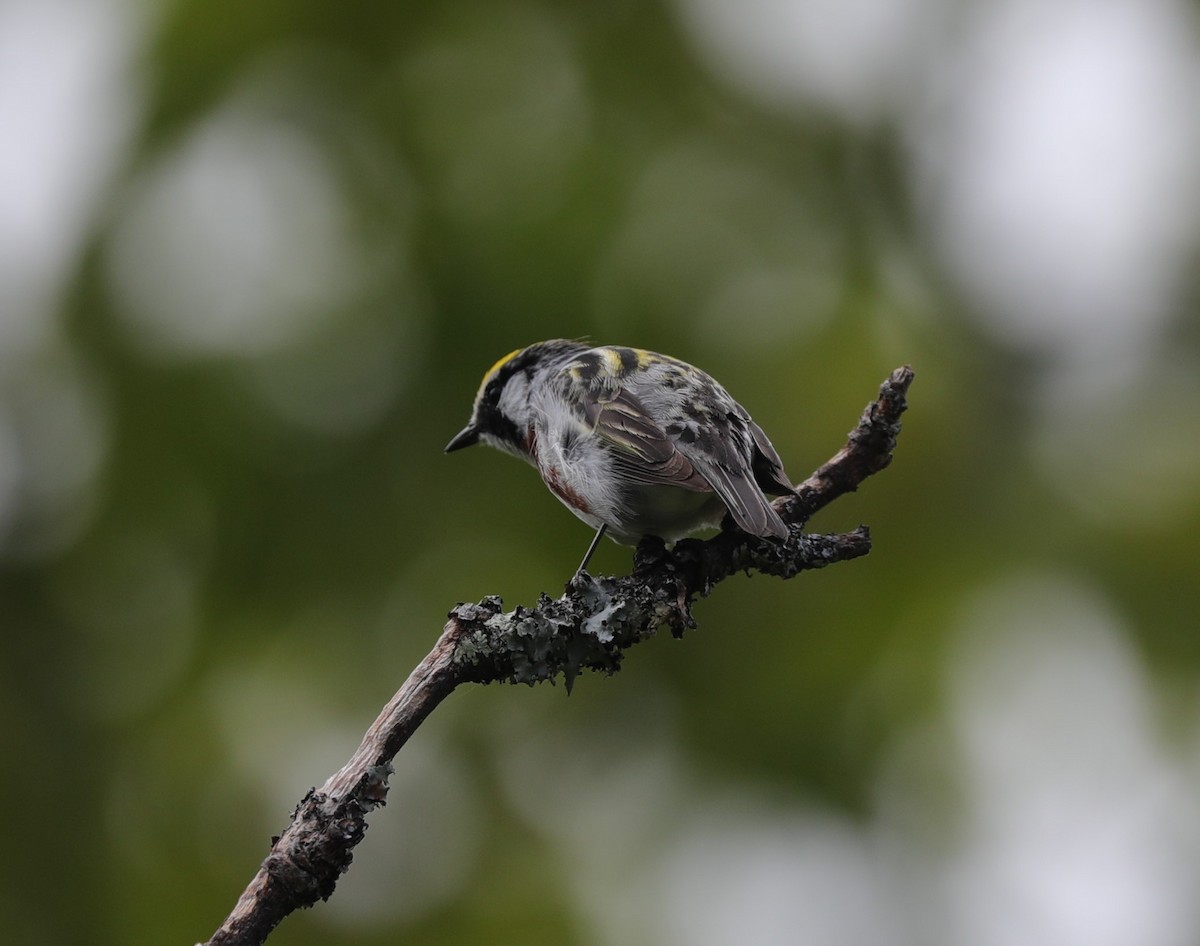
(633, 442)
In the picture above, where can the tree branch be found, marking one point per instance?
(589, 627)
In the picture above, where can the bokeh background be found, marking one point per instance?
(254, 258)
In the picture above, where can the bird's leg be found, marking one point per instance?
(591, 549)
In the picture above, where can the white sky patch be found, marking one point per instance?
(1079, 830)
(773, 881)
(1059, 162)
(68, 103)
(238, 242)
(844, 55)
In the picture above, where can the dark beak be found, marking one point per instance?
(467, 437)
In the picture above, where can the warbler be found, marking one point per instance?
(633, 442)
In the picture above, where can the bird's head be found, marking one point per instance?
(503, 413)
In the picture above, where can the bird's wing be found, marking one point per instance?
(768, 468)
(724, 452)
(717, 453)
(641, 450)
